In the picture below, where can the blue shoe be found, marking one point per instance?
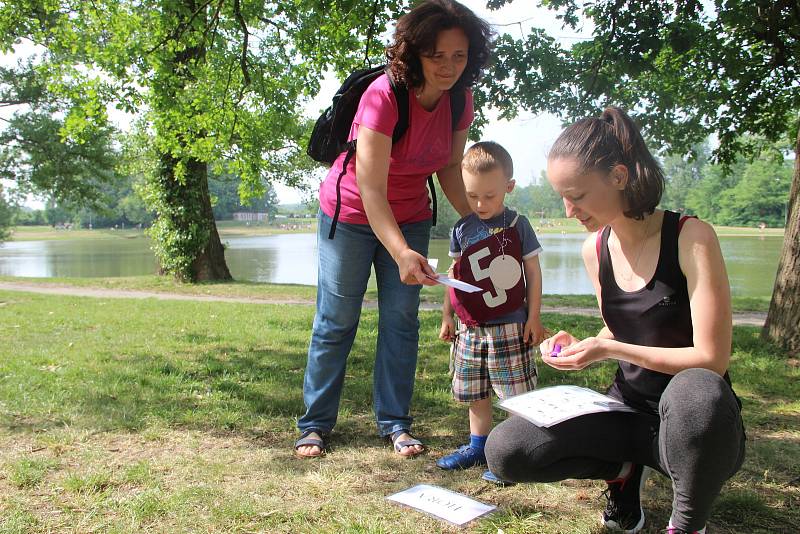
(488, 476)
(463, 458)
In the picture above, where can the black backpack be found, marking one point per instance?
(329, 137)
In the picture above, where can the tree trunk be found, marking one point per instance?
(210, 262)
(189, 223)
(783, 317)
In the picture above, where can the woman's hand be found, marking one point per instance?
(574, 354)
(414, 268)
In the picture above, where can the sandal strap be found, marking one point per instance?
(304, 438)
(407, 443)
(399, 444)
(309, 441)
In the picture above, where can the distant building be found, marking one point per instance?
(250, 217)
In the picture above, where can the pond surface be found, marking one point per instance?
(292, 259)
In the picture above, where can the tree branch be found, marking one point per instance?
(243, 60)
(599, 63)
(178, 32)
(371, 30)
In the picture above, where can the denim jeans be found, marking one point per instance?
(344, 269)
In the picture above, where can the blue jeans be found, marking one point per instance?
(344, 270)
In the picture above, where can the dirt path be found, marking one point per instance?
(739, 319)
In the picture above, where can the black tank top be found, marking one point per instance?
(658, 315)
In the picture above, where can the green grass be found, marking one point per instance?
(124, 415)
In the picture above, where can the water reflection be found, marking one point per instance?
(279, 259)
(292, 258)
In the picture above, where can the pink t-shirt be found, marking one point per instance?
(424, 149)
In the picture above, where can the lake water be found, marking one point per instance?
(292, 259)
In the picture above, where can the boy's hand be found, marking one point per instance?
(534, 331)
(448, 330)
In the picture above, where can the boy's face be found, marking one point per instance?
(486, 191)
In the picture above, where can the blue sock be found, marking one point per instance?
(477, 442)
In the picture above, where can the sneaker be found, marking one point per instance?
(624, 512)
(463, 458)
(488, 476)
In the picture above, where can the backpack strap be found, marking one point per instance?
(351, 149)
(458, 101)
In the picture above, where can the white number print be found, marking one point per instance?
(503, 271)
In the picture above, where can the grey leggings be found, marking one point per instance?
(697, 440)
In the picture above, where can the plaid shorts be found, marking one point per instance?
(492, 357)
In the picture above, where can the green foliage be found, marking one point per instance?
(227, 197)
(536, 201)
(6, 213)
(44, 153)
(214, 82)
(687, 69)
(743, 194)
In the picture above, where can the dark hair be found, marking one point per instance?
(486, 156)
(600, 143)
(416, 33)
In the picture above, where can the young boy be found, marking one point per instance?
(499, 328)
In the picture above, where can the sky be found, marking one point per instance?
(527, 138)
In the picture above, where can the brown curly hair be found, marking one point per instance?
(416, 33)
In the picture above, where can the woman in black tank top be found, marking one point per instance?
(665, 300)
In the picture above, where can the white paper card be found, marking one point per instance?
(548, 406)
(444, 504)
(433, 262)
(458, 284)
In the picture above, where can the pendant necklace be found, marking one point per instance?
(500, 240)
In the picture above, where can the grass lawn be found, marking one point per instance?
(171, 416)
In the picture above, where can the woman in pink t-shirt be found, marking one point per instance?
(384, 222)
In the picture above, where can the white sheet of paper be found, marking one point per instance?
(458, 284)
(551, 405)
(444, 504)
(433, 262)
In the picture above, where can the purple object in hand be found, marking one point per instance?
(556, 350)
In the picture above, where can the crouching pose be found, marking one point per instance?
(664, 296)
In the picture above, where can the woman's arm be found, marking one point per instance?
(372, 175)
(701, 261)
(450, 175)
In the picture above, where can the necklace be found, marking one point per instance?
(635, 263)
(500, 240)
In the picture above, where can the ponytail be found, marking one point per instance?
(609, 140)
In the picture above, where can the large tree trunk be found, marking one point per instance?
(190, 224)
(210, 262)
(783, 319)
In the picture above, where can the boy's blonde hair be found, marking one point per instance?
(485, 156)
